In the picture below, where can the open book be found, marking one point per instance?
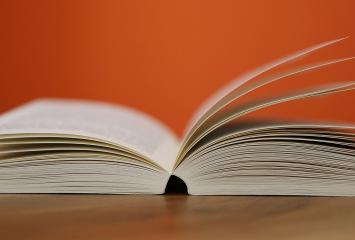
(66, 146)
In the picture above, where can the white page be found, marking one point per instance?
(233, 114)
(229, 92)
(117, 124)
(233, 91)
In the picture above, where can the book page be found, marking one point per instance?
(223, 118)
(116, 124)
(230, 92)
(235, 89)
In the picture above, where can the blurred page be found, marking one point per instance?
(117, 124)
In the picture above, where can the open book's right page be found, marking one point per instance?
(264, 102)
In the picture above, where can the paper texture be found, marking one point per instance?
(119, 125)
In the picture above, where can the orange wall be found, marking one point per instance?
(163, 57)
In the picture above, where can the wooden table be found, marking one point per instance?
(104, 217)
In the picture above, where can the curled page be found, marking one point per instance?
(119, 125)
(217, 101)
(233, 91)
(234, 113)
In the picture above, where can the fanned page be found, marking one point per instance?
(233, 91)
(223, 155)
(56, 146)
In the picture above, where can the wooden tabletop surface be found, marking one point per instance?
(175, 217)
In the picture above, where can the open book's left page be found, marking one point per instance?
(119, 125)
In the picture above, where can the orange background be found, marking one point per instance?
(162, 57)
